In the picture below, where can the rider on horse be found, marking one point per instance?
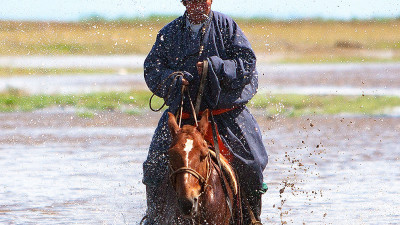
(232, 80)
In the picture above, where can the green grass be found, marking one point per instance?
(85, 114)
(336, 59)
(135, 102)
(58, 48)
(15, 101)
(297, 105)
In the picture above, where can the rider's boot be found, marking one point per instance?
(255, 203)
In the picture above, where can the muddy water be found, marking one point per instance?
(57, 168)
(339, 170)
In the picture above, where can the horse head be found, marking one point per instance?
(189, 163)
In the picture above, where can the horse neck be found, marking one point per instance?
(213, 201)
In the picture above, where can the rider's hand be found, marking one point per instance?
(186, 78)
(185, 82)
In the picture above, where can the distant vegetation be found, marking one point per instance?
(169, 17)
(137, 101)
(312, 40)
(298, 105)
(151, 18)
(16, 101)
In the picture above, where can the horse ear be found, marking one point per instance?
(173, 126)
(203, 124)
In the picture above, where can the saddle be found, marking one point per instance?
(228, 172)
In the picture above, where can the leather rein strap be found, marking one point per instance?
(175, 76)
(201, 87)
(197, 110)
(214, 129)
(217, 154)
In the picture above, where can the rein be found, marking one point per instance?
(184, 89)
(176, 75)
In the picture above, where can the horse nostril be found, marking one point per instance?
(195, 205)
(185, 205)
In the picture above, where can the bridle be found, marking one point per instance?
(203, 181)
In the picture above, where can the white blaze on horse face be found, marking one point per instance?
(187, 149)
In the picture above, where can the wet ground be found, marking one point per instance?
(58, 168)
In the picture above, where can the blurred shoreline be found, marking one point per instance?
(323, 79)
(288, 89)
(293, 41)
(298, 60)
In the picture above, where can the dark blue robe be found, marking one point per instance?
(232, 81)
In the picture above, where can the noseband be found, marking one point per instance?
(203, 181)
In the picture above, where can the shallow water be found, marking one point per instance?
(56, 174)
(67, 84)
(321, 79)
(74, 61)
(58, 168)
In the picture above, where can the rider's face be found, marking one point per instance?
(197, 10)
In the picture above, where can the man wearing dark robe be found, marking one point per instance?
(232, 80)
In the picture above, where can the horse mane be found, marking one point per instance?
(226, 167)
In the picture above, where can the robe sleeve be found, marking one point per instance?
(235, 72)
(234, 79)
(157, 73)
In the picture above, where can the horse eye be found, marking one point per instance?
(204, 153)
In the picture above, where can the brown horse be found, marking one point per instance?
(196, 179)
